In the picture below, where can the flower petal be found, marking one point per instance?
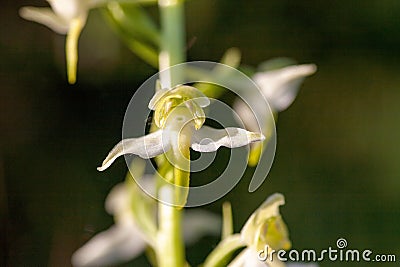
(296, 264)
(270, 207)
(117, 244)
(45, 16)
(117, 199)
(280, 86)
(248, 113)
(70, 9)
(266, 226)
(157, 97)
(208, 139)
(247, 258)
(147, 146)
(198, 223)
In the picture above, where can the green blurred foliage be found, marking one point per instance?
(338, 147)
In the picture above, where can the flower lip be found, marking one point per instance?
(181, 92)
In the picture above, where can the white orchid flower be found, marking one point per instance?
(264, 227)
(125, 240)
(279, 88)
(295, 264)
(66, 17)
(180, 123)
(249, 258)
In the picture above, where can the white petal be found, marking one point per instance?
(157, 96)
(296, 264)
(280, 86)
(46, 17)
(267, 210)
(199, 223)
(247, 258)
(270, 207)
(70, 9)
(118, 199)
(208, 139)
(148, 146)
(248, 112)
(117, 244)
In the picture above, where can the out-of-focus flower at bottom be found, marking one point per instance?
(249, 258)
(264, 227)
(126, 239)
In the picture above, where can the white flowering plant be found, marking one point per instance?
(149, 209)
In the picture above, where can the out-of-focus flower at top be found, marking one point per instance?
(280, 88)
(68, 17)
(64, 17)
(127, 239)
(180, 117)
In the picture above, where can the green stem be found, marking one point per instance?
(171, 251)
(222, 254)
(172, 18)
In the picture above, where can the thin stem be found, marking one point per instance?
(171, 251)
(227, 223)
(172, 18)
(222, 254)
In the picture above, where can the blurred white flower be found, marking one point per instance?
(126, 240)
(279, 88)
(121, 242)
(67, 17)
(249, 258)
(266, 226)
(295, 264)
(62, 14)
(181, 123)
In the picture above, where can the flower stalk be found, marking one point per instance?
(171, 252)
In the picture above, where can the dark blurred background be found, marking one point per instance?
(338, 152)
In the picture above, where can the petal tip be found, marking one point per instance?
(23, 12)
(308, 69)
(100, 169)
